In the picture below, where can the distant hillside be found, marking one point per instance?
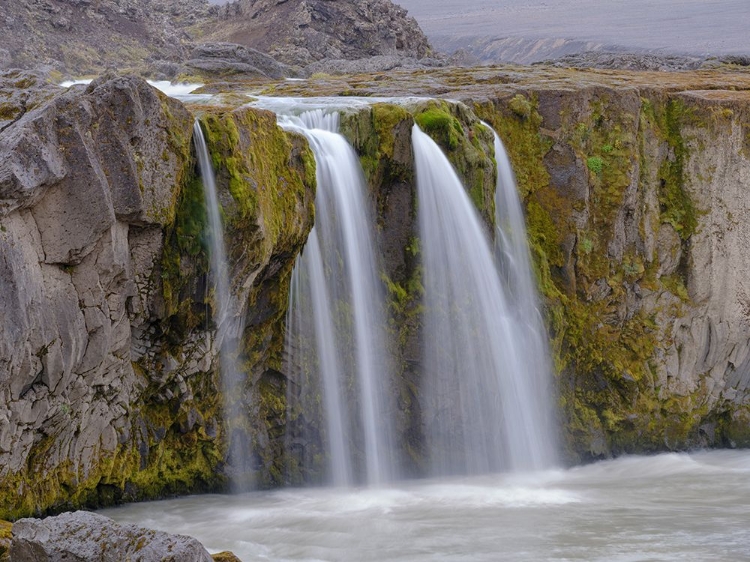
(300, 32)
(85, 36)
(540, 29)
(78, 37)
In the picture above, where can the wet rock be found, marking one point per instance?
(94, 538)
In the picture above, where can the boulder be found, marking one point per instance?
(230, 58)
(82, 536)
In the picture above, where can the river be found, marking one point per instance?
(668, 507)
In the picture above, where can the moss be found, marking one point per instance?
(524, 140)
(163, 457)
(602, 351)
(521, 106)
(468, 146)
(595, 164)
(373, 133)
(6, 535)
(676, 206)
(9, 111)
(437, 122)
(254, 159)
(225, 556)
(733, 427)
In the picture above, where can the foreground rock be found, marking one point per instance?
(95, 538)
(20, 92)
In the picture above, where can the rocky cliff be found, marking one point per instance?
(301, 32)
(107, 350)
(80, 37)
(634, 186)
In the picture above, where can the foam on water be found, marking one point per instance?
(589, 513)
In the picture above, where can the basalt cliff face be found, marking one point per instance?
(635, 191)
(108, 352)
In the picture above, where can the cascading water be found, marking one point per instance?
(339, 305)
(228, 328)
(511, 243)
(481, 413)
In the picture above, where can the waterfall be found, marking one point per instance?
(481, 413)
(512, 248)
(336, 329)
(228, 329)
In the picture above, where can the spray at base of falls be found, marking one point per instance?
(485, 388)
(337, 311)
(228, 329)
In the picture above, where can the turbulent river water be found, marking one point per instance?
(669, 507)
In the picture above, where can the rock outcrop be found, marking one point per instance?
(222, 59)
(299, 32)
(86, 36)
(108, 383)
(88, 536)
(158, 37)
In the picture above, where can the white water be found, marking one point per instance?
(514, 263)
(341, 308)
(228, 326)
(666, 508)
(480, 414)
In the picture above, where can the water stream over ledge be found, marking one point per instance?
(670, 507)
(339, 305)
(227, 327)
(486, 385)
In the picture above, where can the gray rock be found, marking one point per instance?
(380, 63)
(230, 58)
(76, 175)
(88, 537)
(299, 32)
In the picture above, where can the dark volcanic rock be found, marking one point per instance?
(230, 58)
(300, 32)
(628, 61)
(91, 537)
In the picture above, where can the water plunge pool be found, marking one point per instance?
(669, 507)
